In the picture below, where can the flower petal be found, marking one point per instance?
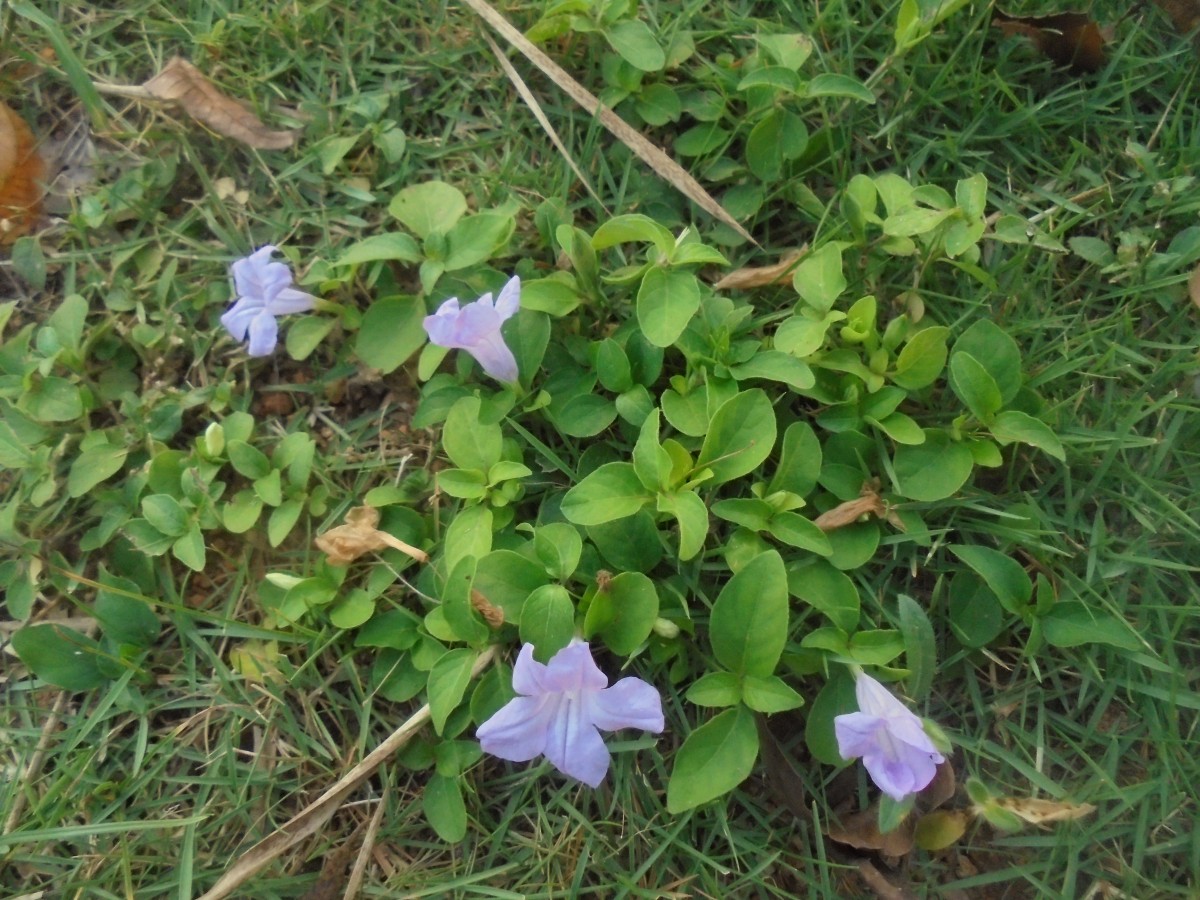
(899, 770)
(237, 319)
(573, 669)
(509, 300)
(630, 703)
(256, 276)
(264, 331)
(856, 733)
(494, 356)
(529, 675)
(290, 300)
(518, 731)
(875, 699)
(574, 745)
(442, 326)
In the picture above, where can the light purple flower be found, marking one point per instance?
(898, 754)
(476, 329)
(563, 703)
(264, 291)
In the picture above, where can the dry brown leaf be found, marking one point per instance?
(22, 171)
(653, 156)
(346, 543)
(850, 511)
(333, 876)
(1070, 39)
(493, 615)
(307, 822)
(182, 84)
(1184, 15)
(761, 276)
(879, 883)
(1043, 812)
(1194, 286)
(861, 830)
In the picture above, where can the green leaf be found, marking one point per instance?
(282, 520)
(795, 530)
(634, 41)
(774, 365)
(166, 514)
(922, 359)
(126, 619)
(469, 442)
(970, 195)
(392, 330)
(241, 512)
(448, 680)
(476, 239)
(470, 534)
(659, 104)
(613, 491)
(740, 436)
(53, 399)
(666, 302)
(650, 461)
(429, 207)
(1005, 576)
(93, 466)
(715, 689)
(994, 349)
(769, 695)
(914, 221)
(442, 803)
(764, 153)
(60, 656)
(559, 547)
(933, 470)
(828, 591)
(461, 618)
(506, 579)
(552, 296)
(586, 415)
(715, 758)
(899, 427)
(790, 50)
(819, 279)
(624, 613)
(612, 367)
(1015, 426)
(1072, 624)
(692, 514)
(393, 245)
(749, 621)
(836, 698)
(248, 461)
(920, 647)
(270, 488)
(548, 620)
(828, 84)
(633, 228)
(355, 609)
(189, 549)
(976, 616)
(974, 386)
(305, 335)
(780, 78)
(630, 544)
(799, 461)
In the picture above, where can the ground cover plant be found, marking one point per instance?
(358, 435)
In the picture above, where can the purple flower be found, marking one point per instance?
(563, 703)
(898, 754)
(476, 329)
(264, 291)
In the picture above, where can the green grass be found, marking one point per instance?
(149, 787)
